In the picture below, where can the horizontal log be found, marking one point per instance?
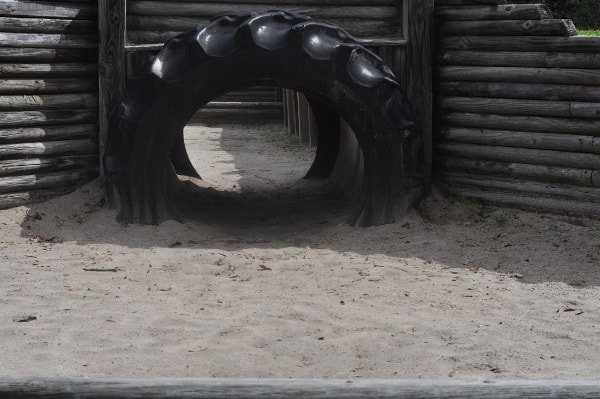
(48, 40)
(508, 138)
(52, 117)
(43, 55)
(48, 86)
(13, 200)
(49, 101)
(542, 173)
(47, 133)
(38, 165)
(235, 105)
(307, 2)
(503, 106)
(519, 90)
(521, 59)
(373, 31)
(568, 192)
(49, 148)
(11, 184)
(121, 388)
(154, 26)
(193, 9)
(469, 2)
(545, 27)
(534, 203)
(47, 25)
(575, 160)
(500, 12)
(582, 44)
(48, 70)
(54, 9)
(522, 123)
(520, 75)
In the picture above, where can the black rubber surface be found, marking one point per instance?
(338, 75)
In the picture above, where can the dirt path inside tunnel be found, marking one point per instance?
(456, 290)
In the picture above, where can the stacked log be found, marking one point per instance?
(517, 105)
(48, 98)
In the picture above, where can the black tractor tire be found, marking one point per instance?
(337, 74)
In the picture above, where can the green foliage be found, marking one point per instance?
(584, 13)
(589, 32)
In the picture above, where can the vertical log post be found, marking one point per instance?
(417, 71)
(111, 61)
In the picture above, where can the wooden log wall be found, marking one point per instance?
(48, 98)
(517, 105)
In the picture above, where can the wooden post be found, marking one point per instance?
(417, 71)
(111, 61)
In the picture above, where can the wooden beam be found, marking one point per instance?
(120, 388)
(520, 75)
(582, 44)
(48, 101)
(500, 12)
(545, 27)
(542, 173)
(47, 25)
(112, 64)
(52, 164)
(47, 133)
(54, 9)
(521, 123)
(563, 109)
(416, 71)
(534, 91)
(48, 70)
(49, 148)
(12, 184)
(52, 117)
(52, 41)
(532, 59)
(48, 86)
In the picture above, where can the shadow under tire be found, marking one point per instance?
(241, 50)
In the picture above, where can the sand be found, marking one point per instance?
(268, 281)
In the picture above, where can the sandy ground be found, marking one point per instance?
(268, 281)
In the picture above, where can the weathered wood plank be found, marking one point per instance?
(575, 160)
(47, 133)
(54, 40)
(58, 9)
(50, 101)
(500, 12)
(521, 123)
(545, 173)
(48, 86)
(469, 2)
(520, 75)
(48, 70)
(530, 59)
(52, 117)
(545, 27)
(520, 43)
(145, 30)
(47, 25)
(519, 90)
(43, 55)
(564, 109)
(48, 148)
(290, 388)
(52, 164)
(531, 202)
(205, 9)
(415, 73)
(112, 65)
(510, 138)
(308, 2)
(11, 184)
(567, 192)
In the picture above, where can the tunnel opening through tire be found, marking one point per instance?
(253, 166)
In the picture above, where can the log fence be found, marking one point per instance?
(48, 98)
(517, 105)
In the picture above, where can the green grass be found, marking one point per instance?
(589, 32)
